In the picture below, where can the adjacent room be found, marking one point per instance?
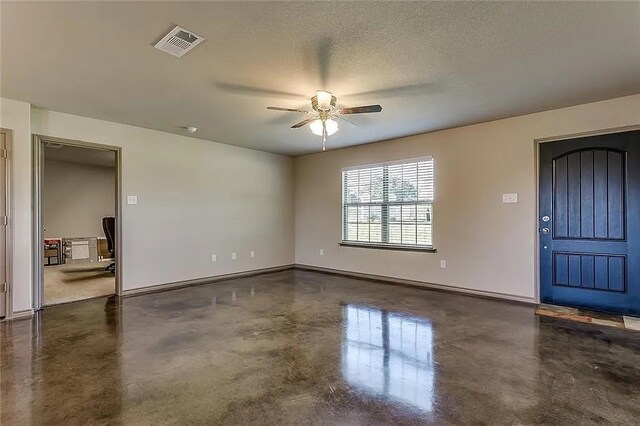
(312, 212)
(78, 193)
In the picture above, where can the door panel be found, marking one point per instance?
(590, 222)
(589, 188)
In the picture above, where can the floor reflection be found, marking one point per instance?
(389, 355)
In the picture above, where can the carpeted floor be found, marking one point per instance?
(71, 282)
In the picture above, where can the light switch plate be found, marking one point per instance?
(132, 199)
(214, 258)
(510, 198)
(253, 253)
(443, 264)
(234, 255)
(321, 252)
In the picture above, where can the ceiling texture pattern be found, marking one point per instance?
(431, 65)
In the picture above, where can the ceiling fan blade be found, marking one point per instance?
(288, 109)
(361, 109)
(303, 123)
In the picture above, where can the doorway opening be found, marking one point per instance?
(77, 228)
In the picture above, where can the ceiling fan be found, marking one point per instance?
(322, 121)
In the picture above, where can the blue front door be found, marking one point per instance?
(589, 222)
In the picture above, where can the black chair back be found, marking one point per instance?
(109, 228)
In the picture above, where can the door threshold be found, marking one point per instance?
(589, 317)
(85, 299)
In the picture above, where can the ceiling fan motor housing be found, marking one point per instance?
(315, 106)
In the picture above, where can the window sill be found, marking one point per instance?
(389, 247)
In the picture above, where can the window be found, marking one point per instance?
(389, 204)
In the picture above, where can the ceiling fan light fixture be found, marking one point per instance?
(316, 127)
(331, 125)
(324, 111)
(324, 99)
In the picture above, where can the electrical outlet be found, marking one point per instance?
(214, 258)
(321, 252)
(253, 253)
(443, 264)
(234, 255)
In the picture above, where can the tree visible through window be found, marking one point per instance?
(389, 204)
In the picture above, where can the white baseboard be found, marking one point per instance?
(200, 281)
(422, 284)
(19, 315)
(381, 278)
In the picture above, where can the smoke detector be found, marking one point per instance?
(178, 41)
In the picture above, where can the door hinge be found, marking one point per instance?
(3, 288)
(5, 220)
(4, 153)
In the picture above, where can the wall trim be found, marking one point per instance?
(420, 284)
(377, 278)
(205, 280)
(19, 315)
(255, 272)
(8, 230)
(598, 132)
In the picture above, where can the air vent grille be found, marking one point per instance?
(178, 42)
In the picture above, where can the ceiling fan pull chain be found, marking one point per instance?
(324, 136)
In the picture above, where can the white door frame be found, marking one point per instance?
(38, 249)
(8, 278)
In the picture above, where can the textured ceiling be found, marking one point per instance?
(431, 65)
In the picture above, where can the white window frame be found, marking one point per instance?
(385, 204)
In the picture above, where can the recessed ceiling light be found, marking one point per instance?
(191, 129)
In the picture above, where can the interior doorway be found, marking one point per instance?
(77, 193)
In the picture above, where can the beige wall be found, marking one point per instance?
(75, 198)
(198, 197)
(195, 198)
(489, 246)
(16, 116)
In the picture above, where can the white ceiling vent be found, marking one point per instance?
(178, 42)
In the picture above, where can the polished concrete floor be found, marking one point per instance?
(299, 347)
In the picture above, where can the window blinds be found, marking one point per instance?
(389, 203)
